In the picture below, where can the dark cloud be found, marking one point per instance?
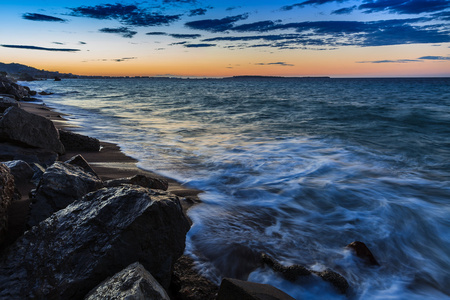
(185, 36)
(178, 43)
(216, 25)
(44, 18)
(344, 11)
(181, 1)
(279, 63)
(82, 43)
(444, 16)
(197, 12)
(57, 43)
(156, 33)
(257, 26)
(40, 48)
(308, 2)
(388, 61)
(405, 6)
(435, 57)
(199, 45)
(123, 31)
(113, 60)
(126, 14)
(232, 8)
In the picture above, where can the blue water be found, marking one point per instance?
(295, 168)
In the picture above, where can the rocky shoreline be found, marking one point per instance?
(79, 220)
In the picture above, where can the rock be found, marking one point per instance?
(6, 197)
(32, 93)
(76, 142)
(20, 169)
(232, 289)
(20, 126)
(9, 151)
(141, 180)
(6, 102)
(43, 93)
(38, 171)
(79, 160)
(7, 86)
(360, 250)
(57, 78)
(68, 254)
(188, 284)
(60, 185)
(294, 272)
(134, 282)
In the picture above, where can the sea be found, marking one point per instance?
(297, 168)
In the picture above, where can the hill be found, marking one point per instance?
(23, 72)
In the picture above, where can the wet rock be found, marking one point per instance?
(44, 93)
(6, 197)
(141, 180)
(20, 126)
(38, 171)
(7, 86)
(362, 251)
(60, 185)
(79, 160)
(70, 253)
(232, 289)
(10, 151)
(6, 102)
(188, 284)
(76, 142)
(20, 169)
(336, 279)
(134, 282)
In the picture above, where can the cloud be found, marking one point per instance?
(40, 48)
(308, 2)
(216, 25)
(344, 11)
(435, 57)
(197, 12)
(123, 31)
(180, 1)
(405, 6)
(113, 60)
(156, 33)
(185, 36)
(82, 43)
(126, 14)
(279, 63)
(203, 45)
(42, 18)
(402, 61)
(57, 43)
(261, 26)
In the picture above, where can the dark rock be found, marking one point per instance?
(295, 272)
(79, 160)
(7, 86)
(38, 171)
(232, 289)
(6, 102)
(60, 185)
(68, 254)
(76, 142)
(20, 169)
(20, 126)
(360, 250)
(134, 282)
(43, 93)
(57, 78)
(188, 284)
(9, 151)
(30, 99)
(32, 93)
(6, 197)
(141, 180)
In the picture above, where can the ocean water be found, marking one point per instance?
(296, 168)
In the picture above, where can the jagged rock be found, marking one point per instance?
(232, 289)
(68, 254)
(360, 249)
(134, 282)
(6, 196)
(60, 185)
(6, 102)
(44, 93)
(38, 171)
(79, 160)
(294, 272)
(20, 126)
(141, 180)
(9, 151)
(73, 141)
(7, 86)
(188, 284)
(20, 169)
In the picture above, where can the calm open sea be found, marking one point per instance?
(297, 168)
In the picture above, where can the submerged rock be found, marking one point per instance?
(362, 251)
(6, 197)
(68, 254)
(17, 125)
(141, 180)
(134, 282)
(60, 185)
(73, 141)
(232, 289)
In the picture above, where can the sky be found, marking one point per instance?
(338, 38)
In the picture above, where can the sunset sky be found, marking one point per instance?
(343, 38)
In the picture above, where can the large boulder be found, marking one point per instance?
(232, 289)
(60, 185)
(141, 180)
(68, 254)
(20, 126)
(134, 282)
(20, 169)
(79, 160)
(6, 102)
(9, 87)
(6, 196)
(10, 151)
(76, 142)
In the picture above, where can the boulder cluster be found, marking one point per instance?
(86, 238)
